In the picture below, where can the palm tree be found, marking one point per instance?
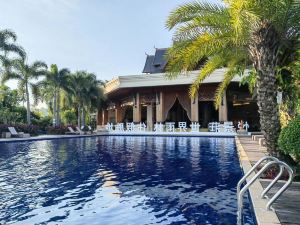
(56, 81)
(8, 45)
(237, 34)
(24, 73)
(86, 92)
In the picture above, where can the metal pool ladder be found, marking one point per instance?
(271, 162)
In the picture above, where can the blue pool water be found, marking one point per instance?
(120, 180)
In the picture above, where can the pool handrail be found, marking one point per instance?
(243, 179)
(241, 192)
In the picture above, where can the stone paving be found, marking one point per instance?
(287, 207)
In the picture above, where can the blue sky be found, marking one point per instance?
(107, 37)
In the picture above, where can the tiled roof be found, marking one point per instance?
(156, 63)
(160, 79)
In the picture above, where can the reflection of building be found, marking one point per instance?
(150, 98)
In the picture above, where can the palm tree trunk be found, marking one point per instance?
(54, 107)
(263, 50)
(28, 103)
(78, 115)
(83, 117)
(58, 107)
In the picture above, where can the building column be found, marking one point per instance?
(99, 117)
(118, 113)
(195, 109)
(160, 107)
(137, 109)
(150, 117)
(223, 109)
(104, 116)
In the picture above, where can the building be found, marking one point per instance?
(150, 97)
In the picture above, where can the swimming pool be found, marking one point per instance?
(120, 180)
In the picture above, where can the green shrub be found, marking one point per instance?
(289, 138)
(69, 117)
(43, 122)
(57, 129)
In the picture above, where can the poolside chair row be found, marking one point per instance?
(13, 133)
(158, 127)
(128, 127)
(170, 127)
(226, 127)
(79, 131)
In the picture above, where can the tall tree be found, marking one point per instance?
(86, 92)
(25, 73)
(8, 45)
(56, 81)
(264, 33)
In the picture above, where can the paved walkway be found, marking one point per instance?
(287, 207)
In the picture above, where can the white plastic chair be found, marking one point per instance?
(195, 127)
(109, 127)
(158, 127)
(130, 127)
(141, 127)
(170, 126)
(119, 127)
(182, 126)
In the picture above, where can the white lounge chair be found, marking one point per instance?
(14, 133)
(90, 129)
(79, 130)
(71, 131)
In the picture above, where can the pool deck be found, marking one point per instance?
(287, 207)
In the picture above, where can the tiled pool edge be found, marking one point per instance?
(263, 216)
(157, 134)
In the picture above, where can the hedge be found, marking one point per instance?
(289, 138)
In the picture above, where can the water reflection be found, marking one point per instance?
(120, 180)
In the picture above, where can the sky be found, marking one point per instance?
(106, 37)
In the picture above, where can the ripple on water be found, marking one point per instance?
(120, 180)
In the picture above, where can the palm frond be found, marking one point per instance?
(8, 34)
(228, 76)
(36, 92)
(189, 11)
(211, 65)
(9, 75)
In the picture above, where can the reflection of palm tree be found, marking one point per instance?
(237, 34)
(24, 73)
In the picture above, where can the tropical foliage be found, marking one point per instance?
(261, 36)
(24, 73)
(86, 93)
(68, 95)
(289, 140)
(8, 46)
(51, 89)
